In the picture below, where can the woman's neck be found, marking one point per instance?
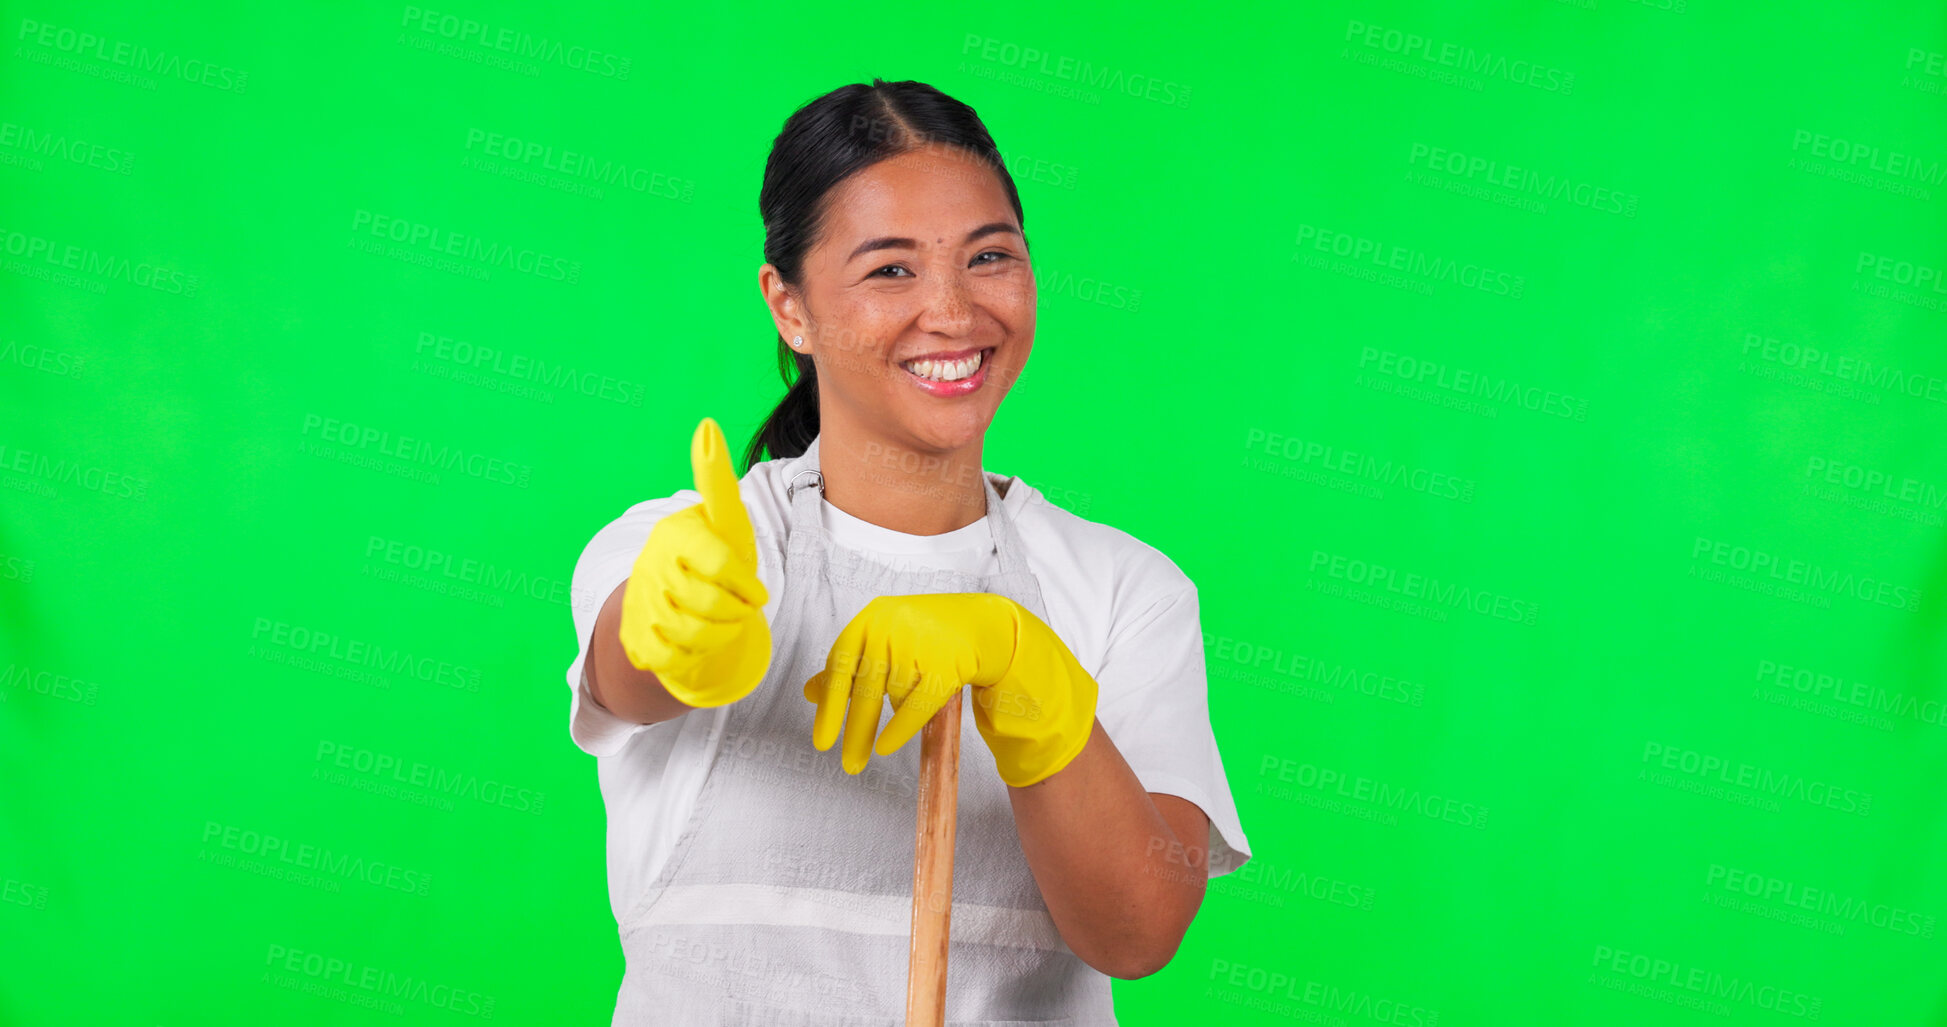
(898, 487)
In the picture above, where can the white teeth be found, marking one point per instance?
(944, 370)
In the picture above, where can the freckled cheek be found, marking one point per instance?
(1014, 308)
(1010, 300)
(858, 350)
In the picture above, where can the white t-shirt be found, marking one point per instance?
(1123, 608)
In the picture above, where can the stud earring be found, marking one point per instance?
(797, 341)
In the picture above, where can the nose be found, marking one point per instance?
(948, 304)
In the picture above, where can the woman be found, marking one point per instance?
(873, 566)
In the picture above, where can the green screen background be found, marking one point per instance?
(1547, 400)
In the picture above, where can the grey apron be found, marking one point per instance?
(788, 897)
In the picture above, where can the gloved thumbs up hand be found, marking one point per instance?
(716, 480)
(693, 608)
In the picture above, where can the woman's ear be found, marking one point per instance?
(786, 309)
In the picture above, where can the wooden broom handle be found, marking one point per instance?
(939, 797)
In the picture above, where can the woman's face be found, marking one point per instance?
(920, 259)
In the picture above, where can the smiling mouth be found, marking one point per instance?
(948, 370)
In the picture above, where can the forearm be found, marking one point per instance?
(1109, 866)
(622, 688)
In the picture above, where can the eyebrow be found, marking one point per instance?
(888, 242)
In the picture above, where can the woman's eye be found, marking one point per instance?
(999, 256)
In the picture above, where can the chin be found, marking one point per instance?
(942, 431)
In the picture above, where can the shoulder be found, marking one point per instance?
(1098, 564)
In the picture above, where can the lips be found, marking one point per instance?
(949, 374)
(946, 366)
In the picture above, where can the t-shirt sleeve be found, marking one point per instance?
(604, 564)
(1153, 701)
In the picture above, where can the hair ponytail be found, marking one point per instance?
(794, 423)
(822, 143)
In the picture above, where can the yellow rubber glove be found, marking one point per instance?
(1033, 702)
(693, 609)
